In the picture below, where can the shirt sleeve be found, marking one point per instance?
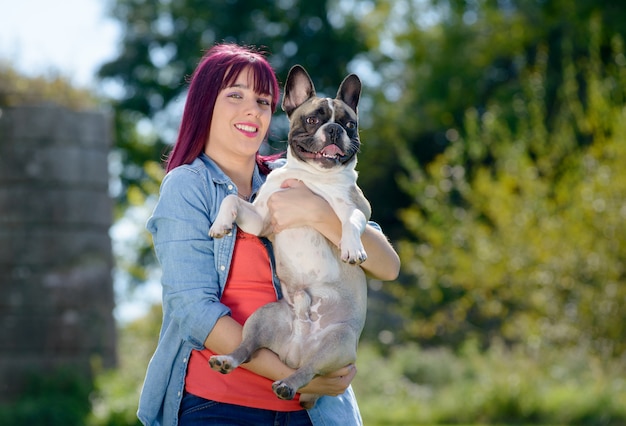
(180, 229)
(375, 225)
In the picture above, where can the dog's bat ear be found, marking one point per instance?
(298, 89)
(350, 91)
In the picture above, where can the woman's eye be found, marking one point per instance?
(264, 102)
(235, 96)
(312, 120)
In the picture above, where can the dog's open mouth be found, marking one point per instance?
(331, 152)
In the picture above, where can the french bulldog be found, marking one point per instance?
(315, 327)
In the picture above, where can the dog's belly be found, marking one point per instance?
(307, 330)
(316, 323)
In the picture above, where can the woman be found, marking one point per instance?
(211, 286)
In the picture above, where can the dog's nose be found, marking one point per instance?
(334, 132)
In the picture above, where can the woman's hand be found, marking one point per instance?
(296, 205)
(332, 384)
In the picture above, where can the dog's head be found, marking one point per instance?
(323, 132)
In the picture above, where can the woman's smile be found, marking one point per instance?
(248, 129)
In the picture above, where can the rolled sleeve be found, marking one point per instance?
(375, 226)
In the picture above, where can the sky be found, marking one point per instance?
(70, 37)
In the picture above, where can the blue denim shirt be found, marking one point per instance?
(195, 268)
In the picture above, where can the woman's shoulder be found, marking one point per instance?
(181, 180)
(187, 182)
(195, 168)
(198, 172)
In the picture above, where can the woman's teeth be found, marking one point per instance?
(245, 128)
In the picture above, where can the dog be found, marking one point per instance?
(315, 327)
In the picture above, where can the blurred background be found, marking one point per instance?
(494, 144)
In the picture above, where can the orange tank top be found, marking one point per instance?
(249, 286)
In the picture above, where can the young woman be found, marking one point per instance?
(210, 286)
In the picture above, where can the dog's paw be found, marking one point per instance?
(219, 230)
(308, 400)
(223, 224)
(353, 255)
(221, 363)
(282, 390)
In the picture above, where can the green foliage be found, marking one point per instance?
(163, 41)
(414, 386)
(58, 398)
(517, 229)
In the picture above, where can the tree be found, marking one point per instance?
(18, 90)
(516, 228)
(433, 60)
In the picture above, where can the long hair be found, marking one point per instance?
(219, 68)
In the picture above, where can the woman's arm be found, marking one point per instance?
(297, 206)
(226, 336)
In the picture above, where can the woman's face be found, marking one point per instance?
(241, 119)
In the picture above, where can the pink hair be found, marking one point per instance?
(219, 68)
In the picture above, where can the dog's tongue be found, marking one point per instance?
(331, 151)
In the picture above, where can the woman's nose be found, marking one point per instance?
(253, 108)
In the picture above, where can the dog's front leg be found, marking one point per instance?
(228, 212)
(252, 218)
(233, 209)
(352, 226)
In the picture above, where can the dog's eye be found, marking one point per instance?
(312, 120)
(351, 125)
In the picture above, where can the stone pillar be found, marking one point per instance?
(56, 290)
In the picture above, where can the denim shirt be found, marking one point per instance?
(195, 269)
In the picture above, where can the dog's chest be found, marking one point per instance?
(304, 255)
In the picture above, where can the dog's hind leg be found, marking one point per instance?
(260, 331)
(227, 363)
(308, 400)
(338, 351)
(287, 388)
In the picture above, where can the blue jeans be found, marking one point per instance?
(195, 411)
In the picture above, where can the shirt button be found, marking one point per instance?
(178, 393)
(230, 187)
(184, 360)
(222, 268)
